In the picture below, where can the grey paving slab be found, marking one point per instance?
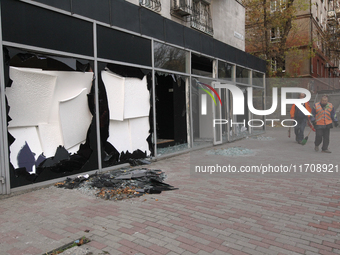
(244, 215)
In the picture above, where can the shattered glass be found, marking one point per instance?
(234, 151)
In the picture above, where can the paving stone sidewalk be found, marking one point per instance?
(204, 216)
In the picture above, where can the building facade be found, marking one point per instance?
(87, 85)
(313, 42)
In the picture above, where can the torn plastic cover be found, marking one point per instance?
(36, 168)
(112, 155)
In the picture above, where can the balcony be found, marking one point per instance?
(337, 12)
(154, 5)
(201, 18)
(181, 8)
(204, 26)
(332, 18)
(331, 15)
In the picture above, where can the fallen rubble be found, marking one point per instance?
(120, 184)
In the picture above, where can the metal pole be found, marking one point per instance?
(154, 98)
(190, 100)
(96, 94)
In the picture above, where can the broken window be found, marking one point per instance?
(127, 111)
(203, 98)
(51, 116)
(202, 66)
(172, 118)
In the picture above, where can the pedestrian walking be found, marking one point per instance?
(300, 118)
(323, 117)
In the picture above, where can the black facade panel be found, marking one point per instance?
(262, 65)
(125, 15)
(241, 57)
(152, 24)
(39, 27)
(192, 39)
(207, 43)
(220, 50)
(97, 10)
(27, 24)
(120, 46)
(252, 61)
(231, 53)
(61, 4)
(173, 32)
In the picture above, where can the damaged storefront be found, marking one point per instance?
(85, 91)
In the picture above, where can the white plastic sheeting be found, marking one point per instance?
(30, 96)
(24, 135)
(75, 118)
(129, 106)
(114, 86)
(48, 109)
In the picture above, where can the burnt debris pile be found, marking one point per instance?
(120, 184)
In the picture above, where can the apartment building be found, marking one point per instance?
(88, 85)
(314, 40)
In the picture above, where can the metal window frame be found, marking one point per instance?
(4, 164)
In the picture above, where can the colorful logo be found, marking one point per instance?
(204, 96)
(208, 92)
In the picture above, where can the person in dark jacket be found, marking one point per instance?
(323, 117)
(301, 119)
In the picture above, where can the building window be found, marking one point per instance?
(274, 63)
(275, 34)
(181, 8)
(318, 67)
(275, 67)
(278, 5)
(242, 75)
(201, 17)
(154, 5)
(273, 5)
(317, 11)
(258, 79)
(322, 70)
